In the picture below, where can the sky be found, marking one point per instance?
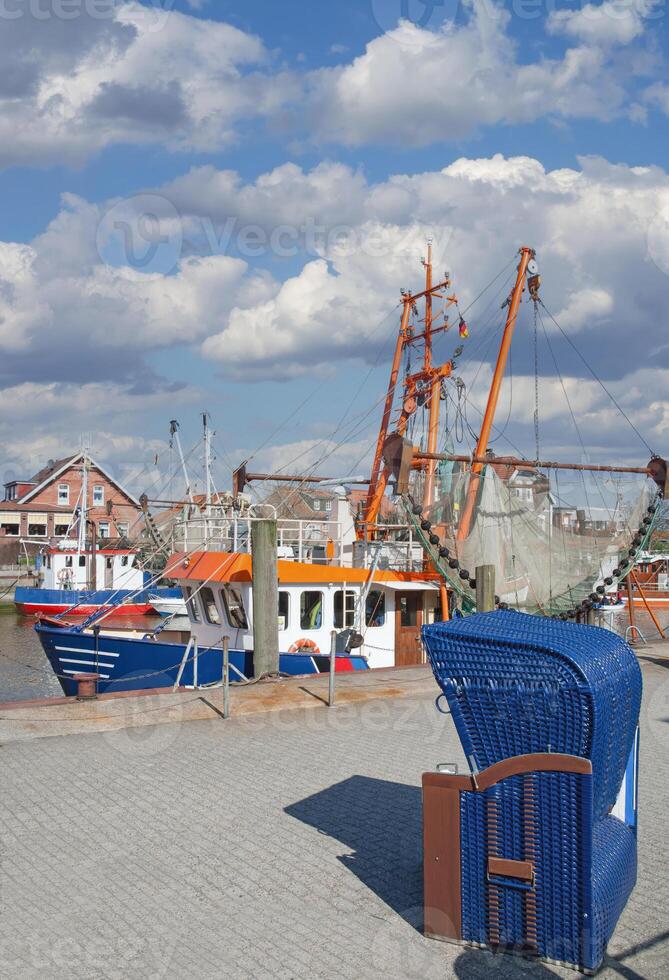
(212, 206)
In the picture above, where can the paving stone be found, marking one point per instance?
(287, 846)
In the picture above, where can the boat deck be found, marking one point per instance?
(282, 842)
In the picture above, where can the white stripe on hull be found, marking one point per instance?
(67, 671)
(84, 663)
(79, 650)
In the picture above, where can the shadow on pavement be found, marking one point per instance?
(381, 822)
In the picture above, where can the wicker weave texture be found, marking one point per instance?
(518, 684)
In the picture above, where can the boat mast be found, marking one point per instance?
(435, 387)
(174, 437)
(526, 256)
(425, 382)
(207, 462)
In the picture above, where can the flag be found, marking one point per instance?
(464, 329)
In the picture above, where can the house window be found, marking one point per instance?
(317, 505)
(210, 609)
(191, 603)
(344, 618)
(311, 610)
(63, 494)
(103, 529)
(375, 608)
(234, 608)
(328, 505)
(123, 529)
(10, 529)
(60, 530)
(284, 610)
(98, 495)
(37, 530)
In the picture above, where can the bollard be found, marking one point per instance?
(485, 588)
(226, 677)
(87, 686)
(333, 664)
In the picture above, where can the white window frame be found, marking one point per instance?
(101, 488)
(107, 526)
(63, 494)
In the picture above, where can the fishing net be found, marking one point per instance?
(549, 556)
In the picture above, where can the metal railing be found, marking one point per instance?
(297, 540)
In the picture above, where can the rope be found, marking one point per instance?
(536, 384)
(597, 378)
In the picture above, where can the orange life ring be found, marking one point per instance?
(302, 645)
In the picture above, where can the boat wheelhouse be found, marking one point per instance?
(84, 581)
(387, 608)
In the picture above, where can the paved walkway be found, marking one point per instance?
(279, 845)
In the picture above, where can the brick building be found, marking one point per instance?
(45, 507)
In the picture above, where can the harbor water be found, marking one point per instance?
(24, 670)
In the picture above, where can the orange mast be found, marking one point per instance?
(426, 382)
(435, 388)
(526, 255)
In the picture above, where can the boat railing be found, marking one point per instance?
(317, 542)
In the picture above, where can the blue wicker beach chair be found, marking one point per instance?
(535, 851)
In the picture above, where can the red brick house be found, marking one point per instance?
(43, 507)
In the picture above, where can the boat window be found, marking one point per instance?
(234, 608)
(82, 561)
(210, 609)
(124, 560)
(284, 609)
(375, 608)
(344, 618)
(68, 561)
(191, 603)
(110, 561)
(311, 610)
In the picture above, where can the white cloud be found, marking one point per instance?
(612, 22)
(148, 75)
(416, 87)
(658, 95)
(143, 75)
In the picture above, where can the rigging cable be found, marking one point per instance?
(597, 378)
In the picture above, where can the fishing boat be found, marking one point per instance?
(466, 510)
(375, 616)
(650, 582)
(71, 575)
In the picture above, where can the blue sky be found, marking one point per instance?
(480, 125)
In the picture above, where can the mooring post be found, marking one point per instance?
(265, 598)
(485, 588)
(333, 664)
(226, 677)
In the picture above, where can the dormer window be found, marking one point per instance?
(63, 494)
(98, 495)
